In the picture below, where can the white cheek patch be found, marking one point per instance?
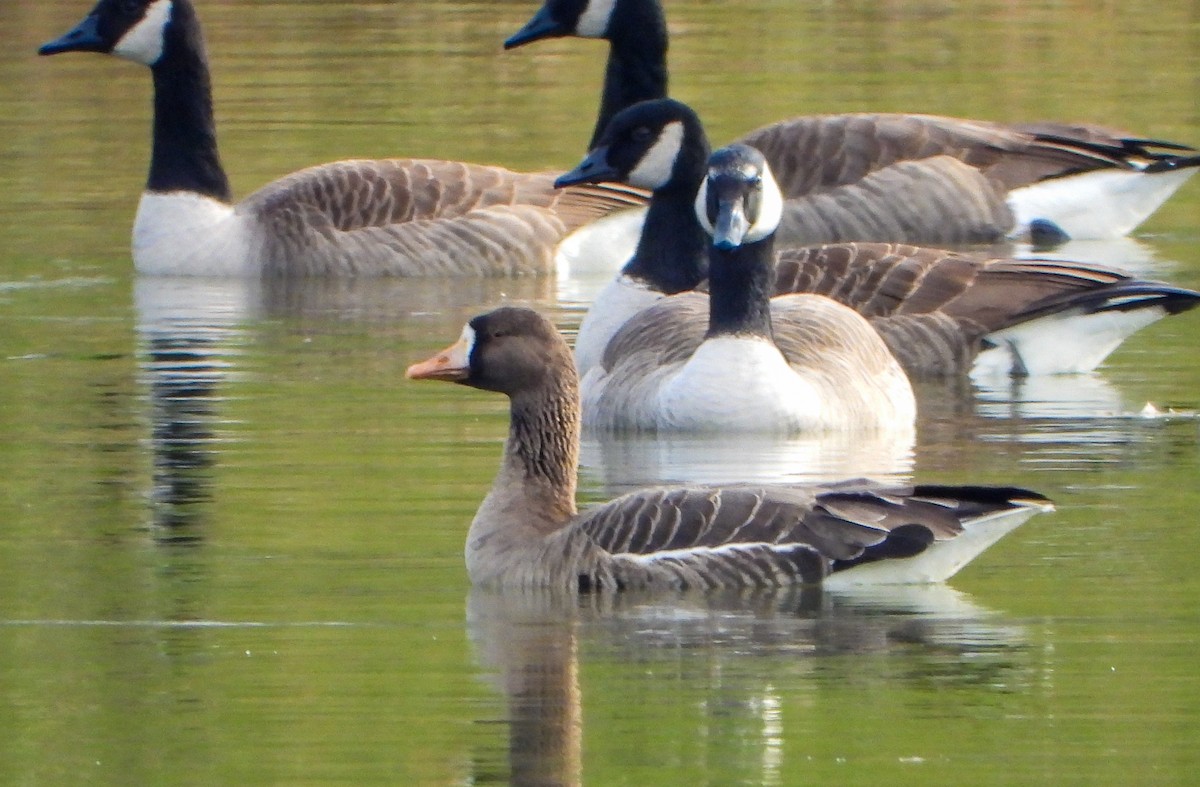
(701, 207)
(770, 211)
(654, 169)
(593, 22)
(143, 43)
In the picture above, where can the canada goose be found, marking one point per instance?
(978, 181)
(528, 531)
(737, 359)
(940, 312)
(401, 217)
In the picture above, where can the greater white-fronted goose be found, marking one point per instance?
(529, 533)
(940, 312)
(736, 359)
(395, 217)
(904, 178)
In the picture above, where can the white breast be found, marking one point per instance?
(617, 302)
(186, 234)
(742, 384)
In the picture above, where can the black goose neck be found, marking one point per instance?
(672, 251)
(739, 289)
(185, 156)
(637, 61)
(543, 437)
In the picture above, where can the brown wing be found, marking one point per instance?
(937, 200)
(745, 536)
(666, 333)
(813, 153)
(887, 279)
(421, 217)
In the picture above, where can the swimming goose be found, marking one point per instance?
(400, 217)
(940, 312)
(736, 359)
(904, 178)
(529, 533)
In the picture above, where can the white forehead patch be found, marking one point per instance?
(654, 169)
(467, 343)
(594, 19)
(143, 43)
(770, 211)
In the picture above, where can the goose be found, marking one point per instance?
(528, 532)
(909, 178)
(940, 312)
(396, 217)
(736, 359)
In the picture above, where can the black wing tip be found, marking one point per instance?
(993, 495)
(1173, 163)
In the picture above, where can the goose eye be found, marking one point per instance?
(642, 134)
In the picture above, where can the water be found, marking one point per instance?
(232, 533)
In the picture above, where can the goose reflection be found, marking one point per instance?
(620, 462)
(188, 335)
(191, 335)
(1050, 422)
(748, 653)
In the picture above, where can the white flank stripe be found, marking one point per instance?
(144, 41)
(723, 549)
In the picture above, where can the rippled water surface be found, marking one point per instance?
(232, 532)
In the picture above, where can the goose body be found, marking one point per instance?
(900, 177)
(939, 312)
(392, 217)
(734, 359)
(528, 531)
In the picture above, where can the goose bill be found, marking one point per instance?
(452, 364)
(542, 25)
(84, 37)
(593, 169)
(731, 225)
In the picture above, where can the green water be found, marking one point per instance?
(231, 531)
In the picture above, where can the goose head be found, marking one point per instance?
(580, 18)
(739, 201)
(136, 30)
(655, 145)
(511, 350)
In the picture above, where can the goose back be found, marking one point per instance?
(940, 312)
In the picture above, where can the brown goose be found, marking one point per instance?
(939, 312)
(903, 178)
(529, 533)
(401, 217)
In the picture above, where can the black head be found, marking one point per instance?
(652, 145)
(133, 29)
(509, 350)
(739, 201)
(558, 18)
